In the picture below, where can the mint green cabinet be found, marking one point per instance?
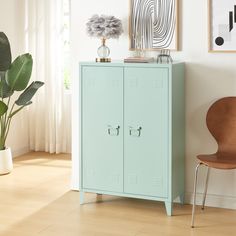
(145, 131)
(102, 137)
(132, 130)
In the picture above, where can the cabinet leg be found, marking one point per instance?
(81, 197)
(99, 197)
(181, 198)
(169, 206)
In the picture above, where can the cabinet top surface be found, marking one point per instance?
(122, 64)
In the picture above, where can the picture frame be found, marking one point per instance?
(149, 23)
(221, 26)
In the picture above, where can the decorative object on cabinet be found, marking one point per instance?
(104, 27)
(14, 77)
(222, 25)
(221, 123)
(132, 130)
(139, 59)
(153, 24)
(164, 54)
(138, 42)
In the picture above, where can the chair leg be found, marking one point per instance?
(205, 190)
(194, 194)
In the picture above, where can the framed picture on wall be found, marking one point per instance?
(222, 25)
(153, 24)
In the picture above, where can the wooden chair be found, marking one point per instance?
(221, 122)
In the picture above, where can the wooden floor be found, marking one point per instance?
(35, 199)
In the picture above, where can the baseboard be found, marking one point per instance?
(212, 200)
(19, 151)
(75, 174)
(75, 184)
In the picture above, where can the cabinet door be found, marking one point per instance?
(102, 128)
(146, 131)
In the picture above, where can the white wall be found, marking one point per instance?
(11, 23)
(208, 77)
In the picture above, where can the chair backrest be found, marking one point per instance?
(221, 122)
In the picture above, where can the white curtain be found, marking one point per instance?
(50, 113)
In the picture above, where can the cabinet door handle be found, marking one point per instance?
(113, 131)
(135, 132)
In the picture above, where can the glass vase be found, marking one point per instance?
(103, 52)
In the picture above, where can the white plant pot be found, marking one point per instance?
(6, 165)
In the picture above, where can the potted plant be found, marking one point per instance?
(14, 76)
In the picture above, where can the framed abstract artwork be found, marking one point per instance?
(222, 25)
(153, 24)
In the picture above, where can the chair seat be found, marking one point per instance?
(218, 161)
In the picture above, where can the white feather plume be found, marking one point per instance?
(104, 27)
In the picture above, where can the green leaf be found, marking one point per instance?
(3, 108)
(5, 90)
(5, 52)
(27, 95)
(16, 111)
(19, 73)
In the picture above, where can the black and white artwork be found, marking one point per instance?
(222, 23)
(153, 24)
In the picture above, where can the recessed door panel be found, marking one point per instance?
(102, 128)
(146, 131)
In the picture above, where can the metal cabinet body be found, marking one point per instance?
(132, 130)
